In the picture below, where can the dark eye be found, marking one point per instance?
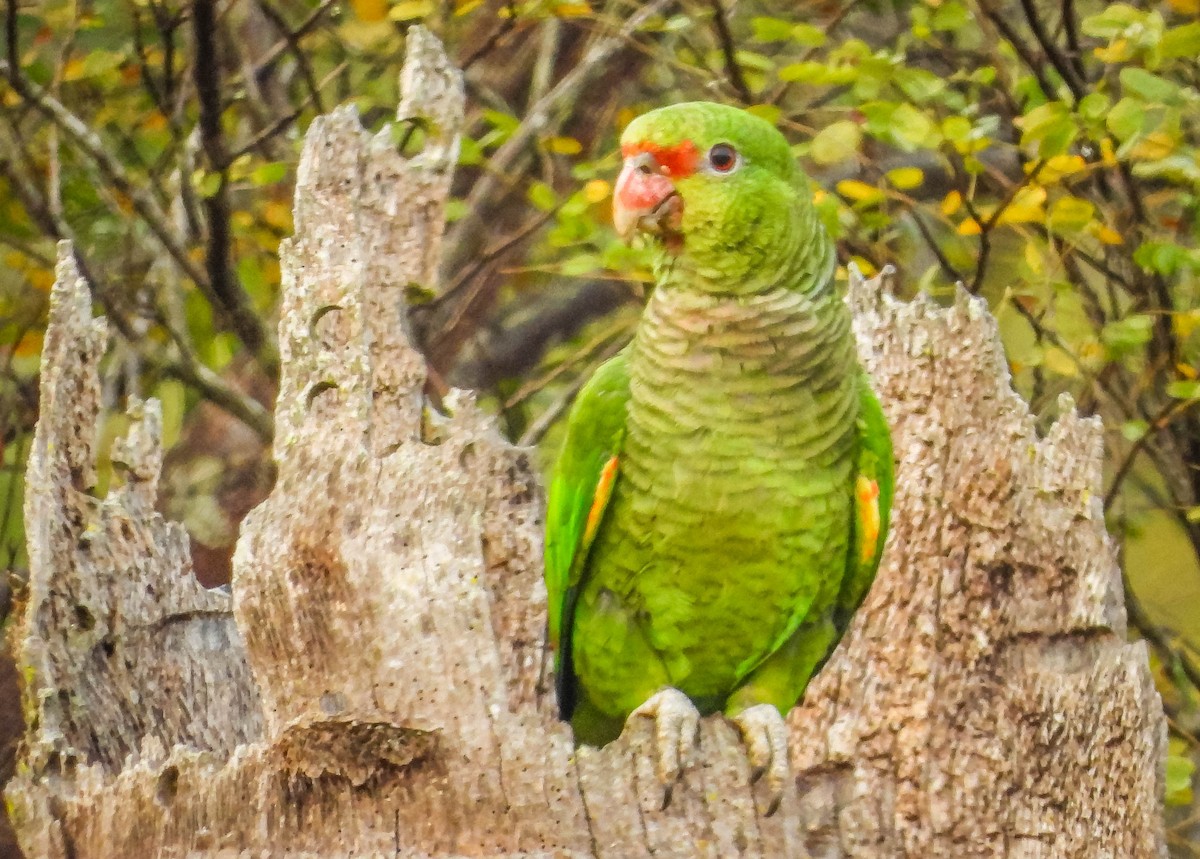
(722, 157)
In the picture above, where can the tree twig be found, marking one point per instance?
(729, 51)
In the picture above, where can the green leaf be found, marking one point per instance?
(910, 128)
(1162, 257)
(951, 16)
(542, 196)
(836, 142)
(1184, 389)
(1049, 127)
(206, 184)
(1093, 105)
(1148, 86)
(956, 129)
(504, 122)
(269, 174)
(1113, 21)
(770, 29)
(1071, 214)
(918, 84)
(1133, 430)
(1123, 336)
(469, 151)
(818, 74)
(1179, 42)
(581, 264)
(808, 35)
(1126, 119)
(1180, 770)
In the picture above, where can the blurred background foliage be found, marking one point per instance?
(1043, 154)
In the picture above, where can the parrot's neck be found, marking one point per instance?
(778, 364)
(794, 253)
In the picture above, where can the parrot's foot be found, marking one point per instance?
(765, 734)
(676, 732)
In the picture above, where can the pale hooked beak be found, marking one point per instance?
(645, 199)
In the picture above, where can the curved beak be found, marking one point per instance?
(645, 198)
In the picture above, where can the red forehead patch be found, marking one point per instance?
(678, 160)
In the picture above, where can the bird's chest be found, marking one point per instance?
(731, 410)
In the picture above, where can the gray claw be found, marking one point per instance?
(676, 732)
(766, 737)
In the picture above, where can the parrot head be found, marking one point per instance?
(716, 187)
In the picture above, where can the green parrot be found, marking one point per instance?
(719, 507)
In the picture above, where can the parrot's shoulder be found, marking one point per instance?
(598, 416)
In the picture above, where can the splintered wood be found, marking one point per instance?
(377, 685)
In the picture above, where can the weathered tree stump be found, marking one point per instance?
(378, 684)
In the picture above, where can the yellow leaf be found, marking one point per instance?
(1092, 353)
(571, 10)
(74, 70)
(1153, 147)
(836, 142)
(31, 342)
(1185, 7)
(596, 190)
(1186, 370)
(860, 192)
(278, 215)
(969, 227)
(865, 266)
(369, 10)
(1118, 52)
(1107, 157)
(564, 145)
(1034, 259)
(952, 203)
(1058, 361)
(1107, 235)
(769, 112)
(1058, 167)
(1026, 207)
(1071, 214)
(42, 278)
(905, 178)
(466, 7)
(1184, 323)
(409, 10)
(819, 196)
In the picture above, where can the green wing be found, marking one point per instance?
(874, 485)
(580, 487)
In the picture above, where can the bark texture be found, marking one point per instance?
(378, 685)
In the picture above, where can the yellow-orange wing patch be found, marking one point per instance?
(866, 499)
(604, 488)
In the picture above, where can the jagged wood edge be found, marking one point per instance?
(122, 654)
